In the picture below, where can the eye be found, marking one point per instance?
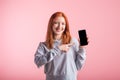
(55, 22)
(63, 23)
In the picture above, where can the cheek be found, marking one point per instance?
(64, 27)
(53, 28)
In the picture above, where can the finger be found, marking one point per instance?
(67, 46)
(78, 39)
(70, 44)
(88, 39)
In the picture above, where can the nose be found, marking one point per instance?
(59, 25)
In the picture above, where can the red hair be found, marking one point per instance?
(66, 37)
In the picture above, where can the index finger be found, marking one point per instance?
(70, 44)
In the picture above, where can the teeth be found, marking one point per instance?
(58, 30)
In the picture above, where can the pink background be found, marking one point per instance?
(23, 25)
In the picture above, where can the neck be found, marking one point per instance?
(57, 37)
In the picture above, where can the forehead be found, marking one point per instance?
(59, 18)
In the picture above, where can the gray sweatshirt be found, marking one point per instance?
(60, 65)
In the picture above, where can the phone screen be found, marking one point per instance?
(83, 37)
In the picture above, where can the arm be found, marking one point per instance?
(43, 55)
(80, 58)
(80, 55)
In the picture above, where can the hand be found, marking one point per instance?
(65, 47)
(84, 46)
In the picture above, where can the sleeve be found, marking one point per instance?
(80, 58)
(80, 55)
(43, 55)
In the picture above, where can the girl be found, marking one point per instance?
(60, 54)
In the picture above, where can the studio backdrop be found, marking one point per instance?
(23, 24)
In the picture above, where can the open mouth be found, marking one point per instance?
(58, 29)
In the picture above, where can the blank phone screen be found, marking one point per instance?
(83, 37)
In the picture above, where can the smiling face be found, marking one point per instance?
(58, 29)
(59, 25)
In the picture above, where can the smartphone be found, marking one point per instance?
(83, 37)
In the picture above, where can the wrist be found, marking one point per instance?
(59, 47)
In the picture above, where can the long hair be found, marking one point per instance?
(66, 37)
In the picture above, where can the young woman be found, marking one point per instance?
(61, 55)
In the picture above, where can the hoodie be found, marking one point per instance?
(60, 65)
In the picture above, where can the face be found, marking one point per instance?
(58, 25)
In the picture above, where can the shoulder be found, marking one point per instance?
(42, 44)
(74, 40)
